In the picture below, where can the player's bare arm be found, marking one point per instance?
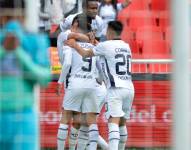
(79, 36)
(84, 53)
(92, 38)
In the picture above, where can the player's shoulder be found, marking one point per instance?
(64, 32)
(114, 43)
(71, 16)
(99, 20)
(66, 22)
(107, 42)
(63, 35)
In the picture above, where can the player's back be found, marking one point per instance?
(117, 63)
(83, 70)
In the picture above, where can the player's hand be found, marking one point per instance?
(91, 36)
(96, 42)
(58, 89)
(10, 42)
(71, 43)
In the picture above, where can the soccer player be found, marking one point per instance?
(69, 34)
(117, 76)
(90, 9)
(19, 73)
(62, 49)
(72, 33)
(80, 96)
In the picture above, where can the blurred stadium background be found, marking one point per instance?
(147, 28)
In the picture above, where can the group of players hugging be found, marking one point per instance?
(95, 73)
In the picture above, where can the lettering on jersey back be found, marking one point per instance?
(121, 50)
(86, 45)
(83, 76)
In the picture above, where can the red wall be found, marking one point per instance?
(150, 124)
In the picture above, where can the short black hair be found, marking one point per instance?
(20, 4)
(116, 26)
(85, 3)
(83, 22)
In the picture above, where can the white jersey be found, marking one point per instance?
(108, 13)
(115, 63)
(82, 73)
(97, 24)
(62, 37)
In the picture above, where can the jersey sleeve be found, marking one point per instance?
(66, 65)
(99, 50)
(63, 36)
(98, 25)
(67, 22)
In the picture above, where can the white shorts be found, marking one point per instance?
(119, 102)
(101, 96)
(80, 100)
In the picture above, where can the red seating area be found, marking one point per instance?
(158, 5)
(149, 127)
(147, 28)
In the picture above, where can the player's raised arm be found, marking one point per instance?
(84, 53)
(79, 36)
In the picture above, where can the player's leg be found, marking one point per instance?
(128, 96)
(83, 135)
(27, 131)
(93, 131)
(6, 125)
(90, 107)
(74, 131)
(102, 143)
(69, 105)
(114, 136)
(101, 99)
(75, 97)
(63, 129)
(113, 113)
(123, 134)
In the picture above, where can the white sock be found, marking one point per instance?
(93, 137)
(83, 138)
(114, 136)
(102, 143)
(61, 136)
(123, 137)
(73, 138)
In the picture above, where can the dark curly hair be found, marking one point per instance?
(85, 3)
